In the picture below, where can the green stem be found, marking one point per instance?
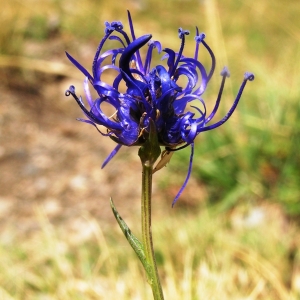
(147, 232)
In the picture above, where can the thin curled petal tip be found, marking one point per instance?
(70, 90)
(249, 76)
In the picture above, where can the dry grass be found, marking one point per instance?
(242, 256)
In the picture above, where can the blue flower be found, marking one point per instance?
(179, 112)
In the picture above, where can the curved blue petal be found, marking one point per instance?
(248, 76)
(204, 80)
(224, 73)
(102, 119)
(191, 75)
(125, 59)
(152, 45)
(104, 89)
(213, 60)
(87, 92)
(116, 38)
(135, 91)
(187, 176)
(166, 82)
(171, 58)
(104, 55)
(94, 66)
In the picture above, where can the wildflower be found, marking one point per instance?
(152, 93)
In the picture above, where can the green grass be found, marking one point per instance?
(255, 155)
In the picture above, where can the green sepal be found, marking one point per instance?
(133, 241)
(150, 150)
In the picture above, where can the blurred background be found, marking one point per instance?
(234, 233)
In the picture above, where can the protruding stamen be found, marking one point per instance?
(181, 34)
(225, 72)
(107, 34)
(199, 38)
(213, 60)
(110, 27)
(138, 55)
(113, 114)
(248, 76)
(117, 25)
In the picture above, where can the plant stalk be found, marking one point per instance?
(147, 232)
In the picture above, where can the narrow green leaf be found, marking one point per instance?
(133, 241)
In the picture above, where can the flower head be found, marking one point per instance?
(152, 93)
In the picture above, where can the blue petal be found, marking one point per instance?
(248, 76)
(191, 75)
(87, 92)
(126, 58)
(79, 66)
(181, 33)
(224, 73)
(104, 89)
(139, 60)
(187, 177)
(103, 56)
(171, 58)
(204, 80)
(166, 82)
(192, 133)
(111, 155)
(102, 119)
(94, 67)
(213, 60)
(135, 90)
(117, 38)
(152, 45)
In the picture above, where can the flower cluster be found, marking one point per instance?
(153, 93)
